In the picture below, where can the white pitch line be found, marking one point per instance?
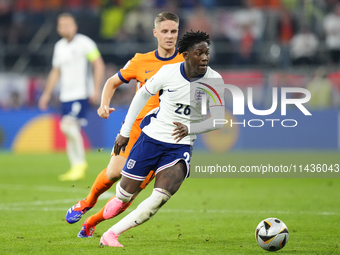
(106, 195)
(245, 212)
(191, 211)
(28, 206)
(44, 188)
(35, 203)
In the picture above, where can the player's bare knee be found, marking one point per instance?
(112, 174)
(114, 168)
(130, 185)
(171, 178)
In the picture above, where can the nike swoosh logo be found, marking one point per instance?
(148, 71)
(172, 90)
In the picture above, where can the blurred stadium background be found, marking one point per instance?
(256, 43)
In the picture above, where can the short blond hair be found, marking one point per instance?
(166, 16)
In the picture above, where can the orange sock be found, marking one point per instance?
(100, 185)
(98, 217)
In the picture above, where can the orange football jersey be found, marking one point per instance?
(142, 67)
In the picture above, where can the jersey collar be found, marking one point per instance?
(185, 77)
(165, 59)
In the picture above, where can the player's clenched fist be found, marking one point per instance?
(105, 111)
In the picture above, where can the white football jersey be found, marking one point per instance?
(179, 101)
(71, 59)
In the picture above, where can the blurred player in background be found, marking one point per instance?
(70, 64)
(165, 144)
(141, 67)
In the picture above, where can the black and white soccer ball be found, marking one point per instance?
(272, 234)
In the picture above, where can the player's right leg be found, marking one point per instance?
(103, 182)
(106, 212)
(113, 174)
(167, 183)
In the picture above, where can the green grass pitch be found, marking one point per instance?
(206, 216)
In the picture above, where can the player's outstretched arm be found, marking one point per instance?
(52, 79)
(109, 89)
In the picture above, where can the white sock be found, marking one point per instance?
(74, 140)
(121, 194)
(143, 212)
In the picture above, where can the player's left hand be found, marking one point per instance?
(105, 111)
(180, 131)
(120, 144)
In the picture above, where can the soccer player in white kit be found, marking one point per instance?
(70, 64)
(165, 144)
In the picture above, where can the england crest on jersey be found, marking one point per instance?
(131, 163)
(198, 95)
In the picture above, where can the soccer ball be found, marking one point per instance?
(271, 234)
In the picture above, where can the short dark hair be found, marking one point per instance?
(67, 15)
(166, 16)
(191, 38)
